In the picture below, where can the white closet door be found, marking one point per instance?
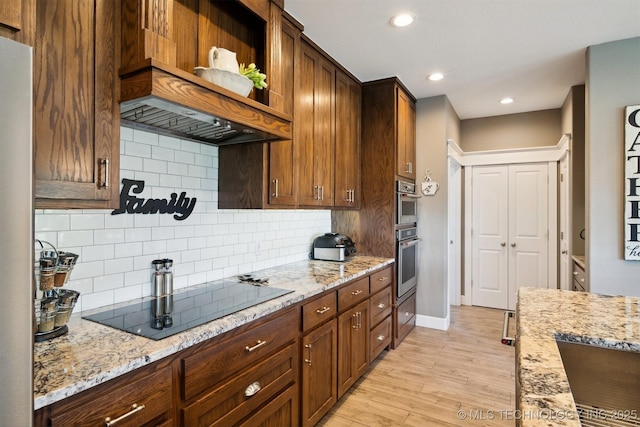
(490, 234)
(509, 232)
(528, 228)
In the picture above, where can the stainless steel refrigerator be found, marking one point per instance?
(16, 235)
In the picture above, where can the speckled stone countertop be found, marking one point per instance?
(91, 353)
(544, 315)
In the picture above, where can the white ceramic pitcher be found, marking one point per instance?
(223, 59)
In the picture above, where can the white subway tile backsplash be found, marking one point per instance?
(75, 238)
(145, 137)
(108, 235)
(211, 244)
(156, 166)
(137, 150)
(108, 282)
(97, 252)
(52, 222)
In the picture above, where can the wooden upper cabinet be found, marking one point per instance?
(406, 135)
(262, 175)
(16, 20)
(315, 127)
(347, 154)
(76, 115)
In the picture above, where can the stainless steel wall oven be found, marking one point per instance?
(407, 203)
(407, 240)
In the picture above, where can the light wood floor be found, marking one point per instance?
(437, 378)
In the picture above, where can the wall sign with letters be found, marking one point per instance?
(181, 206)
(632, 183)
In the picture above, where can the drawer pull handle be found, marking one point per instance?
(308, 361)
(380, 338)
(383, 279)
(323, 310)
(381, 306)
(259, 344)
(252, 389)
(357, 292)
(108, 422)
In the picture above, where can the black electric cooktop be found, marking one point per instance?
(158, 318)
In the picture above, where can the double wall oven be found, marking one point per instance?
(406, 239)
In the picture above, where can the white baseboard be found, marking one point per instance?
(433, 322)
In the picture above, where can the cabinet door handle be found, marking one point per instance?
(380, 338)
(354, 321)
(323, 310)
(357, 292)
(108, 422)
(275, 182)
(322, 189)
(408, 168)
(105, 162)
(513, 245)
(308, 361)
(563, 252)
(316, 192)
(503, 244)
(252, 389)
(381, 306)
(259, 344)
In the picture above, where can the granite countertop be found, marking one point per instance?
(91, 353)
(544, 315)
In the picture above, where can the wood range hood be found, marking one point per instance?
(163, 98)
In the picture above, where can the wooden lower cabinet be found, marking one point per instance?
(246, 392)
(353, 344)
(405, 316)
(318, 377)
(142, 398)
(286, 369)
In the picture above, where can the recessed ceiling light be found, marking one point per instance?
(402, 20)
(434, 77)
(506, 100)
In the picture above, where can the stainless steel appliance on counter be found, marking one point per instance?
(16, 231)
(333, 247)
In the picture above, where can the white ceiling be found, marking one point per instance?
(531, 50)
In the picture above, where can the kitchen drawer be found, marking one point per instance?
(381, 279)
(209, 365)
(351, 294)
(244, 394)
(379, 338)
(579, 278)
(280, 411)
(406, 318)
(318, 311)
(380, 306)
(151, 393)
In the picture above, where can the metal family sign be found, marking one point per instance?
(181, 206)
(632, 183)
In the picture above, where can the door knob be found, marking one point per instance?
(503, 244)
(513, 245)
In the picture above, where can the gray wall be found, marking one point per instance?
(613, 82)
(523, 130)
(436, 121)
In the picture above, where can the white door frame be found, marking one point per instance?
(454, 238)
(550, 154)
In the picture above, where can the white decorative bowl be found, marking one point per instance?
(235, 82)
